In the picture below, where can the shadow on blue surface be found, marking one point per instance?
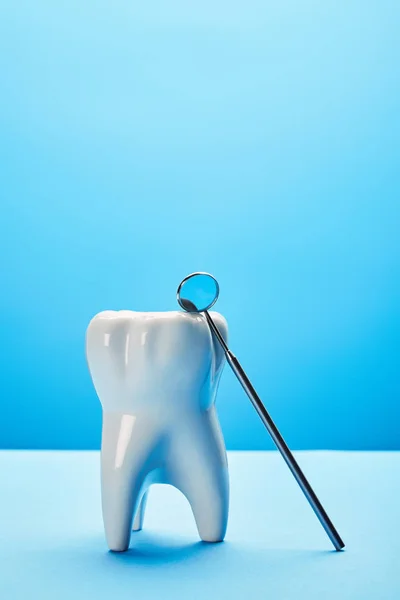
(150, 549)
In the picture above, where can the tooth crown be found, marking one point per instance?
(157, 375)
(184, 372)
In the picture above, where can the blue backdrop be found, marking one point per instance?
(258, 141)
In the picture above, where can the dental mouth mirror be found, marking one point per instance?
(198, 292)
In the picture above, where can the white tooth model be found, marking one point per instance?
(157, 375)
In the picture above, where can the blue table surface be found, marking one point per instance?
(52, 543)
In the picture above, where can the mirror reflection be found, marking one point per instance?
(198, 292)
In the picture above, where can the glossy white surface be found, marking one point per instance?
(156, 375)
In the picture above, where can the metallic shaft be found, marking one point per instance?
(278, 440)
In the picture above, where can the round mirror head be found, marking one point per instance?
(198, 292)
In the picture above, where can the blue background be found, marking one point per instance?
(258, 141)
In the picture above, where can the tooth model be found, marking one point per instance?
(157, 375)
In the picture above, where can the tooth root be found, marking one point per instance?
(209, 502)
(139, 517)
(124, 454)
(201, 474)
